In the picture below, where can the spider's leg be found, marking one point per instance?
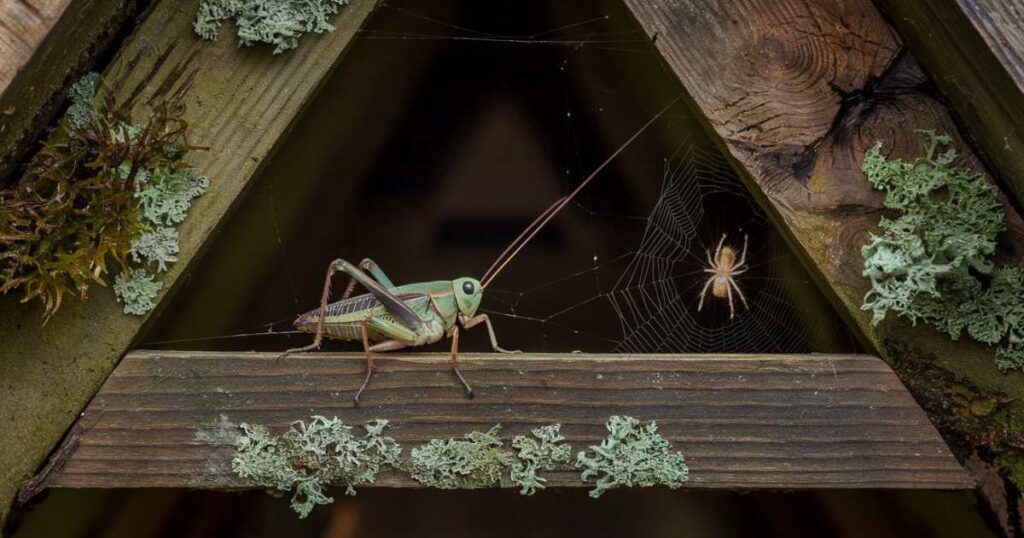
(743, 256)
(711, 262)
(739, 291)
(728, 293)
(704, 291)
(718, 250)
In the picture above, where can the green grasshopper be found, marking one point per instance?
(392, 317)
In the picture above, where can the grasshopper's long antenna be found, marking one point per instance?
(549, 213)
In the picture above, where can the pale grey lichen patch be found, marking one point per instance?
(633, 455)
(476, 461)
(545, 451)
(82, 110)
(137, 291)
(933, 260)
(274, 22)
(309, 457)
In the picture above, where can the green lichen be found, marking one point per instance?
(275, 22)
(137, 291)
(545, 451)
(933, 261)
(476, 461)
(632, 455)
(308, 458)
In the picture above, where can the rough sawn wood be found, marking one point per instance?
(168, 419)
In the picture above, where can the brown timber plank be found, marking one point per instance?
(796, 91)
(975, 51)
(23, 26)
(166, 418)
(241, 102)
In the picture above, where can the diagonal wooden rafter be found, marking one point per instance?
(975, 51)
(241, 103)
(796, 91)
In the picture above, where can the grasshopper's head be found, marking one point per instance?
(468, 293)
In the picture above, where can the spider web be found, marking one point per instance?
(654, 298)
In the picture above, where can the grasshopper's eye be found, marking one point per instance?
(468, 288)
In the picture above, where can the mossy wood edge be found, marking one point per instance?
(169, 418)
(975, 51)
(796, 92)
(44, 46)
(242, 101)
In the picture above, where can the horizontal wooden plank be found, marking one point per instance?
(167, 418)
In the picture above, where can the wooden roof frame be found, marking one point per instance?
(796, 141)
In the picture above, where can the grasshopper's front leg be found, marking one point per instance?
(470, 322)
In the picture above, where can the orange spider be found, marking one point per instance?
(723, 268)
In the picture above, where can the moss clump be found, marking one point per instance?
(308, 458)
(545, 451)
(632, 455)
(933, 261)
(476, 461)
(102, 193)
(274, 22)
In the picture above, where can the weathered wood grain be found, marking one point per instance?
(44, 46)
(241, 103)
(23, 26)
(975, 52)
(167, 418)
(796, 91)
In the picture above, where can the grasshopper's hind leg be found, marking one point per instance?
(387, 345)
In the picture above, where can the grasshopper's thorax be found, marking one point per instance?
(468, 293)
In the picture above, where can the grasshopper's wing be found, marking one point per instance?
(399, 309)
(366, 303)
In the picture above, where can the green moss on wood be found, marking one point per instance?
(309, 457)
(102, 196)
(633, 455)
(279, 23)
(933, 261)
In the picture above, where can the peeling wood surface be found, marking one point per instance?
(167, 419)
(975, 51)
(241, 103)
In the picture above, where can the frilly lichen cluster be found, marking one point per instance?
(103, 195)
(545, 451)
(475, 461)
(309, 457)
(481, 460)
(933, 261)
(632, 455)
(274, 22)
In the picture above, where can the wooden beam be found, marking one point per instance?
(167, 418)
(23, 26)
(241, 103)
(975, 53)
(44, 46)
(796, 91)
